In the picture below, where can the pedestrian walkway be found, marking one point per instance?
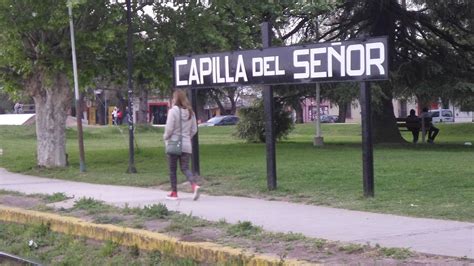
(432, 236)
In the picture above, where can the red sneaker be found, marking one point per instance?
(196, 193)
(172, 196)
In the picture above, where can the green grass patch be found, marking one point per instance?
(415, 180)
(107, 219)
(156, 211)
(39, 244)
(91, 205)
(56, 197)
(243, 229)
(396, 253)
(184, 224)
(286, 237)
(8, 192)
(319, 243)
(352, 248)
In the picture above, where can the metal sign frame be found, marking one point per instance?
(356, 60)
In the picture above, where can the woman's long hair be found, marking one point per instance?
(181, 100)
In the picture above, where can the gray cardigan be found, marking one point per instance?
(172, 127)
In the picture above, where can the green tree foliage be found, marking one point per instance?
(430, 51)
(35, 37)
(342, 95)
(251, 126)
(227, 25)
(36, 58)
(6, 105)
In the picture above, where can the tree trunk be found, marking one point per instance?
(385, 124)
(218, 102)
(122, 102)
(299, 113)
(52, 104)
(202, 114)
(342, 112)
(233, 106)
(423, 101)
(143, 106)
(100, 109)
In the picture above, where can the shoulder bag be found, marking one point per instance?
(175, 147)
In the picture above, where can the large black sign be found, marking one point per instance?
(352, 60)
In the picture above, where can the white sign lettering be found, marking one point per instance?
(321, 62)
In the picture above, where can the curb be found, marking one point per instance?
(146, 240)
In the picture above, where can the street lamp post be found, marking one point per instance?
(82, 163)
(131, 149)
(318, 139)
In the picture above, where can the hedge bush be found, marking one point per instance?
(251, 126)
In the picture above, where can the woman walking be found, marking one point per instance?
(181, 121)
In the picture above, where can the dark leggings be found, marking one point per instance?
(432, 133)
(184, 165)
(416, 134)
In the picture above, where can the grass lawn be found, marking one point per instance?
(416, 180)
(58, 249)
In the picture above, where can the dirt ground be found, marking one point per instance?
(250, 238)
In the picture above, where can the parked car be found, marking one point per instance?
(328, 119)
(446, 115)
(335, 118)
(225, 120)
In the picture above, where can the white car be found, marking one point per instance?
(446, 115)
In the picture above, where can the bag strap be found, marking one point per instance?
(180, 126)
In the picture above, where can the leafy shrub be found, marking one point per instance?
(251, 126)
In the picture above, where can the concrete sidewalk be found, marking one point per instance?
(432, 236)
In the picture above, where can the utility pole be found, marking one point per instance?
(80, 136)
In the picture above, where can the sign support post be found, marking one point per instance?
(269, 117)
(367, 146)
(195, 140)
